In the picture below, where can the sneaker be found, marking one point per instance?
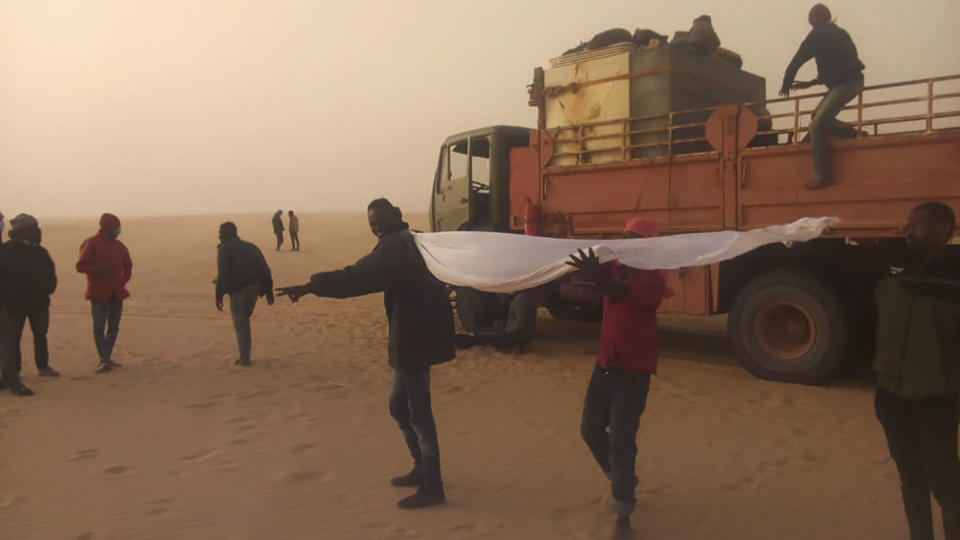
(48, 372)
(104, 367)
(243, 363)
(115, 364)
(424, 497)
(21, 390)
(411, 479)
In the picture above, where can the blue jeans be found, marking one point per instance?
(615, 400)
(823, 119)
(106, 326)
(410, 407)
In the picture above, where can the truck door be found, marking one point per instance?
(451, 198)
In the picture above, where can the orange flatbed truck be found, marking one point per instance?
(711, 156)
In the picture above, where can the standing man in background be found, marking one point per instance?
(839, 69)
(107, 264)
(294, 232)
(242, 272)
(278, 227)
(12, 278)
(31, 298)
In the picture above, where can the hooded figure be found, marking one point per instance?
(107, 264)
(34, 279)
(617, 391)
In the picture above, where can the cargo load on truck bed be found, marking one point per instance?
(598, 100)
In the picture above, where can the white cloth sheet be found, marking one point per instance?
(505, 263)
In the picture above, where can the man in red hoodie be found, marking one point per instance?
(617, 393)
(106, 262)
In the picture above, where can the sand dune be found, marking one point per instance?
(179, 443)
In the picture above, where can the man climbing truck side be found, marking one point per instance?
(688, 140)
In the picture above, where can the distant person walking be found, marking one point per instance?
(918, 369)
(839, 69)
(421, 335)
(617, 392)
(278, 227)
(31, 298)
(242, 273)
(107, 264)
(294, 231)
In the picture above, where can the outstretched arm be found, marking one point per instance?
(366, 276)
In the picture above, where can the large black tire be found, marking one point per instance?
(787, 326)
(478, 309)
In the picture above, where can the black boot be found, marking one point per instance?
(411, 479)
(20, 389)
(424, 497)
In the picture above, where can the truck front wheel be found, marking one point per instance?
(787, 326)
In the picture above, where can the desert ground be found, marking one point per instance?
(182, 444)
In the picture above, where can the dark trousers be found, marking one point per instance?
(611, 415)
(106, 326)
(410, 407)
(279, 239)
(39, 316)
(295, 241)
(242, 304)
(9, 374)
(922, 436)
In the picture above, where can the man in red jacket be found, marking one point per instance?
(617, 393)
(106, 262)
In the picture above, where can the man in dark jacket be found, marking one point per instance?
(839, 69)
(617, 391)
(421, 335)
(242, 272)
(918, 369)
(107, 264)
(13, 278)
(278, 227)
(32, 297)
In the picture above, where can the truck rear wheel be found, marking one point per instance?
(787, 326)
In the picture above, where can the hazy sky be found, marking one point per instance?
(218, 106)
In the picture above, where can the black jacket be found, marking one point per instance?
(834, 52)
(240, 263)
(918, 327)
(417, 304)
(27, 274)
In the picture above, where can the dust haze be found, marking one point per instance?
(181, 107)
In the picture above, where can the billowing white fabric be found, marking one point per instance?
(504, 263)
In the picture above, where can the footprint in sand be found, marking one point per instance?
(6, 501)
(307, 475)
(303, 447)
(116, 470)
(159, 507)
(200, 455)
(82, 454)
(203, 405)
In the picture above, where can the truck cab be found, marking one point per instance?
(471, 186)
